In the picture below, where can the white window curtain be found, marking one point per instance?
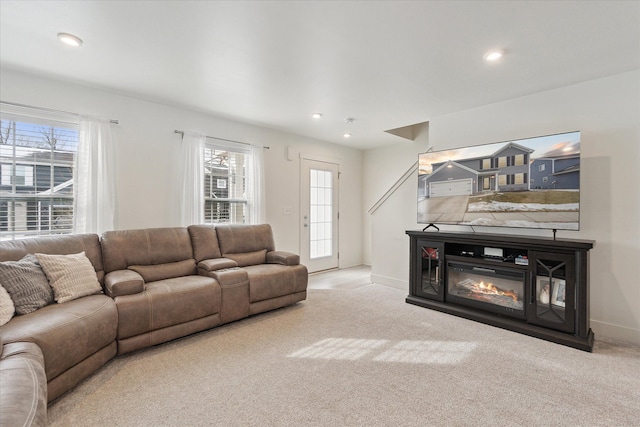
(255, 185)
(94, 178)
(191, 173)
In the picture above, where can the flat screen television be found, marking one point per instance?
(526, 183)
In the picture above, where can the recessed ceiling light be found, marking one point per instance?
(317, 115)
(493, 55)
(70, 39)
(347, 135)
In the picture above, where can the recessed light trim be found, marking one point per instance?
(347, 135)
(494, 55)
(70, 39)
(317, 115)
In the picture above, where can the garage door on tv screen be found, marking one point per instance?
(526, 183)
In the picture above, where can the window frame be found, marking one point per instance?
(36, 185)
(237, 208)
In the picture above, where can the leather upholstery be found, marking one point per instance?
(160, 284)
(23, 385)
(205, 242)
(13, 250)
(66, 333)
(173, 300)
(123, 282)
(166, 303)
(241, 239)
(276, 278)
(153, 246)
(268, 281)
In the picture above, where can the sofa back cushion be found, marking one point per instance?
(204, 239)
(145, 247)
(14, 250)
(245, 244)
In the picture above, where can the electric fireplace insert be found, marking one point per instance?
(496, 289)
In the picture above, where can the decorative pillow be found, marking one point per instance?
(26, 284)
(7, 308)
(71, 276)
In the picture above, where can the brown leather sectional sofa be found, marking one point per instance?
(159, 284)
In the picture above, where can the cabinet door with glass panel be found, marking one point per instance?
(553, 295)
(429, 283)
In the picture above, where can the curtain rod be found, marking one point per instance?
(50, 110)
(181, 132)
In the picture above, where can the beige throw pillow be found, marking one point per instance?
(7, 308)
(71, 276)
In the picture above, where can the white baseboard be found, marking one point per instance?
(389, 281)
(615, 332)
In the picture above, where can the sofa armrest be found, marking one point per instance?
(123, 282)
(23, 385)
(207, 265)
(282, 257)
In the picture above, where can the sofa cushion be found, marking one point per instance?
(7, 308)
(152, 273)
(26, 283)
(66, 333)
(204, 239)
(166, 303)
(151, 246)
(12, 250)
(240, 238)
(71, 276)
(268, 281)
(248, 258)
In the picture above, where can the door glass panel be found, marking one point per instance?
(551, 291)
(320, 213)
(430, 281)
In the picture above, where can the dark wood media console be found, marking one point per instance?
(532, 285)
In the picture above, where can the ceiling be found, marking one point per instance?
(386, 64)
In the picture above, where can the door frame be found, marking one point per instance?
(326, 263)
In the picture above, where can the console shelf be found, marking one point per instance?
(532, 285)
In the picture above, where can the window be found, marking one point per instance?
(519, 178)
(519, 159)
(225, 184)
(502, 162)
(541, 167)
(502, 180)
(486, 164)
(36, 175)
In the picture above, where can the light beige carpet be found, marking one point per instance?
(359, 357)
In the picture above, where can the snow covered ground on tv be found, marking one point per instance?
(521, 207)
(518, 223)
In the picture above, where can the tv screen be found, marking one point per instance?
(526, 183)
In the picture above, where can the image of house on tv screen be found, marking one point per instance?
(527, 183)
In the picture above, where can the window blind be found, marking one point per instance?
(37, 155)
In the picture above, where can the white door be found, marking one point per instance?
(457, 187)
(319, 227)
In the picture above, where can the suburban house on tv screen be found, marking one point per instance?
(511, 168)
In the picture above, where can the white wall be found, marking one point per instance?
(607, 112)
(386, 244)
(146, 146)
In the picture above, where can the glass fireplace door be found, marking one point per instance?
(430, 261)
(553, 291)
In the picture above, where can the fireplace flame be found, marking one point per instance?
(490, 289)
